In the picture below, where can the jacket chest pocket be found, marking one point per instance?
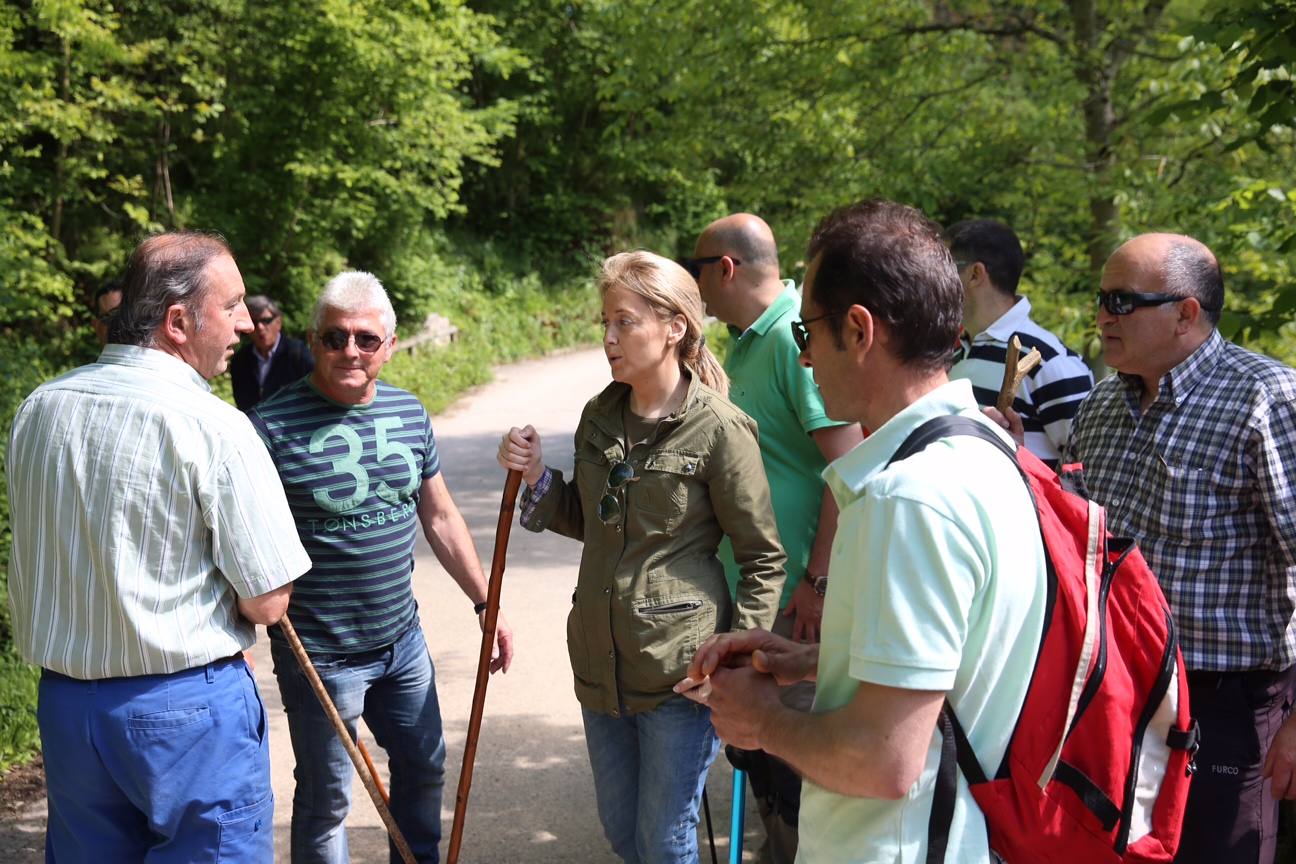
(666, 483)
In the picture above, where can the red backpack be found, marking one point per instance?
(1098, 765)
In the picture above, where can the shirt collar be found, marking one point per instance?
(847, 475)
(158, 362)
(1180, 381)
(273, 348)
(789, 299)
(1008, 323)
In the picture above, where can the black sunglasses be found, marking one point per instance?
(265, 322)
(337, 340)
(800, 333)
(694, 265)
(1125, 302)
(620, 475)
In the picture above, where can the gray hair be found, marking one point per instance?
(354, 291)
(164, 270)
(1190, 270)
(259, 303)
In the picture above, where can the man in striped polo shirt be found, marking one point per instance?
(149, 537)
(990, 261)
(358, 461)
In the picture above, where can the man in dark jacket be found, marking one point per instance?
(271, 361)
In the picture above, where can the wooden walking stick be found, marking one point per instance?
(1015, 371)
(502, 528)
(373, 772)
(362, 763)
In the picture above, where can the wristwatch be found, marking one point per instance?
(819, 584)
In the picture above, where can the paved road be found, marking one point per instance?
(532, 796)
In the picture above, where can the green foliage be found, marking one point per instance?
(19, 737)
(481, 156)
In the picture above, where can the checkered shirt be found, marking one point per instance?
(1203, 480)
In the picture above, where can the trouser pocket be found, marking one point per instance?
(247, 833)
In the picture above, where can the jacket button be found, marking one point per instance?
(607, 590)
(611, 654)
(616, 713)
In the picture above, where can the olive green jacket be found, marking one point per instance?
(650, 589)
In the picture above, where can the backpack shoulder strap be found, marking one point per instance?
(943, 427)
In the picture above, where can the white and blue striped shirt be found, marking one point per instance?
(142, 508)
(1047, 398)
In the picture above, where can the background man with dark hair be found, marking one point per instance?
(936, 586)
(150, 534)
(1192, 450)
(989, 259)
(107, 297)
(736, 267)
(269, 361)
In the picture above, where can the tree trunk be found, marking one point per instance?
(1095, 73)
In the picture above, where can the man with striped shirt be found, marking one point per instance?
(149, 537)
(358, 461)
(989, 258)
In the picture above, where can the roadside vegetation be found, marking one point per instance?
(481, 156)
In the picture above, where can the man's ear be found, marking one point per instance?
(177, 324)
(859, 328)
(1190, 315)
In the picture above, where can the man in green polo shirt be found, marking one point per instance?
(737, 270)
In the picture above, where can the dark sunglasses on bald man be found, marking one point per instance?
(337, 340)
(1125, 302)
(694, 265)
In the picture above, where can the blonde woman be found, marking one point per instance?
(665, 466)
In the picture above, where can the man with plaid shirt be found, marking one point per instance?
(1192, 450)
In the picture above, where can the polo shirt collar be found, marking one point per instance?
(847, 475)
(789, 299)
(160, 363)
(1012, 321)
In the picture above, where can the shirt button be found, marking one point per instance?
(616, 713)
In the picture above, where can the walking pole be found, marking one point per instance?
(373, 772)
(706, 809)
(738, 816)
(502, 528)
(362, 764)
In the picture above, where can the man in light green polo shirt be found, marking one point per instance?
(936, 583)
(737, 270)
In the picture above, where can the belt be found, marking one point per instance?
(215, 664)
(1248, 677)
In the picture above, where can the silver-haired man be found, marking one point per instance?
(359, 463)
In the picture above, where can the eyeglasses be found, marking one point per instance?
(620, 475)
(264, 322)
(1125, 302)
(337, 340)
(694, 265)
(801, 333)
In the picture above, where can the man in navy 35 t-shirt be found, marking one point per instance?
(358, 462)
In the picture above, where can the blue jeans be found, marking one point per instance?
(394, 689)
(163, 768)
(649, 771)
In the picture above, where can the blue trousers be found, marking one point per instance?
(394, 689)
(157, 768)
(649, 771)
